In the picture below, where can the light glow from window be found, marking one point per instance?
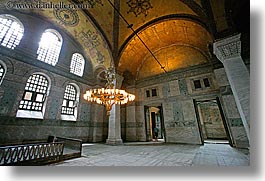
(35, 93)
(11, 31)
(2, 72)
(49, 47)
(70, 94)
(77, 64)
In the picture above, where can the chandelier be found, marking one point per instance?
(109, 96)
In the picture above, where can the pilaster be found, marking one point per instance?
(228, 51)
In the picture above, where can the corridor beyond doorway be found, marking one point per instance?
(154, 119)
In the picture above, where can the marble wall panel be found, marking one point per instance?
(15, 130)
(174, 88)
(183, 87)
(180, 122)
(140, 122)
(240, 137)
(237, 129)
(221, 77)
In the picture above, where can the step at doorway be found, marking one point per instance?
(212, 125)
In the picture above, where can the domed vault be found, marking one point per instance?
(177, 32)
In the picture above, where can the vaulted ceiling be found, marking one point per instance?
(177, 32)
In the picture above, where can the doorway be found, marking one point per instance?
(154, 119)
(211, 120)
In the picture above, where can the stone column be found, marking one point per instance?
(228, 51)
(114, 134)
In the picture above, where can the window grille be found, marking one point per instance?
(49, 47)
(69, 102)
(35, 93)
(11, 31)
(77, 64)
(2, 72)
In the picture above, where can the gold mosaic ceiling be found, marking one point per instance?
(175, 43)
(168, 27)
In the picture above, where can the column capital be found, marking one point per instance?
(227, 48)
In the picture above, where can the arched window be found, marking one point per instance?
(34, 97)
(11, 31)
(2, 71)
(50, 47)
(70, 102)
(77, 64)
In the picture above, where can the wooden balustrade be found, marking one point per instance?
(31, 154)
(41, 153)
(72, 147)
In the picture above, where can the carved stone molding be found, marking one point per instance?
(227, 48)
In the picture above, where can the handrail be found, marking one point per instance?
(30, 153)
(71, 139)
(41, 153)
(71, 143)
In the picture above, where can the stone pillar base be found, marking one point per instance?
(114, 142)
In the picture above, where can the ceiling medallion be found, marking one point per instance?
(139, 6)
(68, 17)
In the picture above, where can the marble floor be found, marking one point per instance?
(160, 154)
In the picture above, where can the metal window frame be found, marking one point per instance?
(68, 100)
(33, 97)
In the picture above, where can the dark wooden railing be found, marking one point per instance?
(31, 154)
(72, 147)
(57, 149)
